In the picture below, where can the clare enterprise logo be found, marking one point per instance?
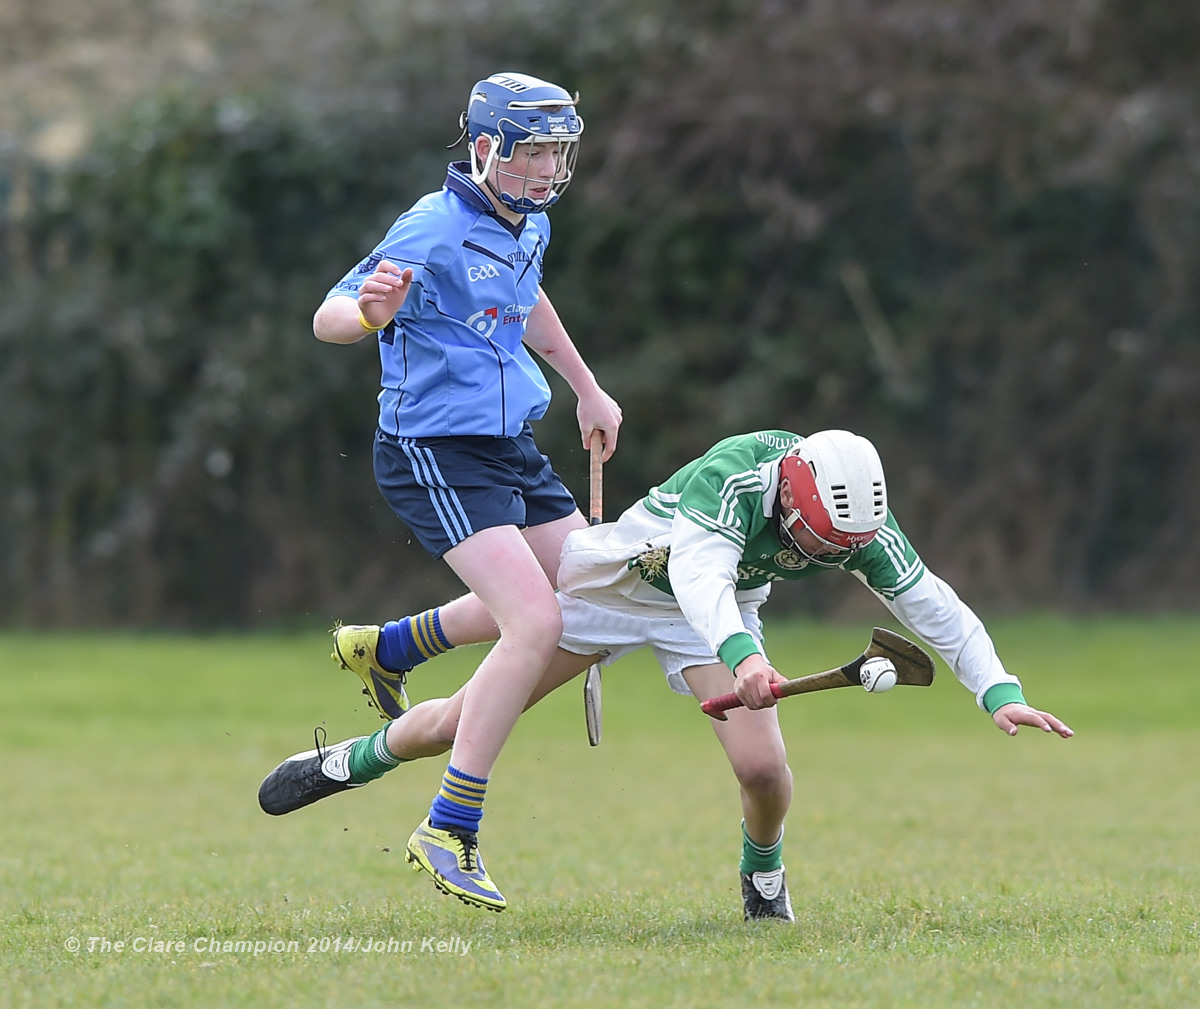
(484, 322)
(516, 314)
(485, 272)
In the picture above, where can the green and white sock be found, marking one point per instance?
(370, 757)
(760, 858)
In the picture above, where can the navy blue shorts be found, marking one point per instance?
(445, 489)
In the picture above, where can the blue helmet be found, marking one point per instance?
(511, 109)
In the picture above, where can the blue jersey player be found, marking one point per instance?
(453, 294)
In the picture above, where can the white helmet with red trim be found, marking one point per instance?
(838, 492)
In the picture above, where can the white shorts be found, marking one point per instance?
(613, 631)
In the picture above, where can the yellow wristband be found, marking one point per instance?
(362, 321)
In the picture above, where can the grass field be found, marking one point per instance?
(932, 861)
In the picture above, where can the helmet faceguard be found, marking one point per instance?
(512, 109)
(838, 494)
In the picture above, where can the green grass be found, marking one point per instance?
(932, 861)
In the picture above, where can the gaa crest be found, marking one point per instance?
(790, 560)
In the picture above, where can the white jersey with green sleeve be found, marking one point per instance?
(708, 536)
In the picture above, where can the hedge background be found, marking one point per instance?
(970, 231)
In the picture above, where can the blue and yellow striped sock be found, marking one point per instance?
(459, 803)
(760, 858)
(409, 641)
(370, 757)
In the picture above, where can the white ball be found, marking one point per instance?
(877, 675)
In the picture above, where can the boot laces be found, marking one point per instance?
(468, 843)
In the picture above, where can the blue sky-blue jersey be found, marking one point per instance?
(452, 360)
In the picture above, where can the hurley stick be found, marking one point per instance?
(591, 683)
(913, 665)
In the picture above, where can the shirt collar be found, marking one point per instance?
(459, 181)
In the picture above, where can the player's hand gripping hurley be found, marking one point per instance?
(591, 683)
(913, 665)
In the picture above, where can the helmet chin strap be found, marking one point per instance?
(463, 133)
(786, 523)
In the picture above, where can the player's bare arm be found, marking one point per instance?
(596, 410)
(347, 320)
(1011, 717)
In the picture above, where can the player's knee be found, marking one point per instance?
(538, 629)
(764, 774)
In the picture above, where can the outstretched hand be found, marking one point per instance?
(1011, 717)
(383, 293)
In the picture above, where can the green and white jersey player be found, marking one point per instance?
(684, 572)
(708, 542)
